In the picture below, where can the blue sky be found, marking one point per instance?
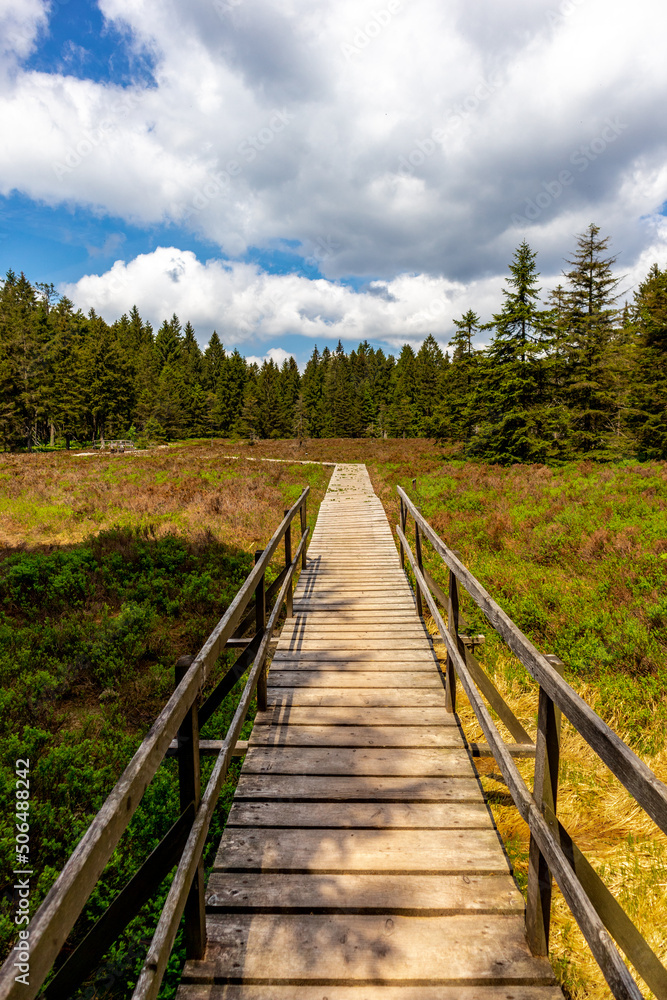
(292, 175)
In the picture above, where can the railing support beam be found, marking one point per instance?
(545, 793)
(289, 608)
(418, 553)
(189, 784)
(304, 525)
(260, 625)
(453, 628)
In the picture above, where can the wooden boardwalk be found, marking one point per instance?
(360, 861)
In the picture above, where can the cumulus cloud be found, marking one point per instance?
(276, 354)
(20, 24)
(384, 138)
(246, 305)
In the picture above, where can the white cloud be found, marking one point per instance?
(245, 304)
(20, 24)
(276, 354)
(387, 139)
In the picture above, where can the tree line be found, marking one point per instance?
(574, 375)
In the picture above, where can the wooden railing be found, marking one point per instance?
(175, 732)
(552, 851)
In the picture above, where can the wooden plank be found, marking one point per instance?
(206, 991)
(350, 676)
(410, 895)
(427, 697)
(388, 815)
(295, 715)
(406, 657)
(346, 788)
(354, 736)
(430, 852)
(314, 603)
(336, 629)
(354, 618)
(372, 949)
(366, 762)
(306, 644)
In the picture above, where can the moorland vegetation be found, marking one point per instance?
(130, 559)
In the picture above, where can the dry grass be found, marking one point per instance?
(60, 498)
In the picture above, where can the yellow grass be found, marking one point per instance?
(62, 498)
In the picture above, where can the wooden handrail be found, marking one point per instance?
(55, 918)
(595, 910)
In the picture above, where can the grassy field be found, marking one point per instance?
(577, 556)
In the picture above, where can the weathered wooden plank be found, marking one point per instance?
(354, 736)
(306, 643)
(342, 850)
(346, 788)
(350, 676)
(206, 991)
(295, 715)
(405, 657)
(410, 895)
(335, 630)
(350, 621)
(427, 697)
(314, 603)
(388, 815)
(368, 762)
(372, 949)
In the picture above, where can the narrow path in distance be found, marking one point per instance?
(360, 861)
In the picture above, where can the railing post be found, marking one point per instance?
(545, 793)
(304, 525)
(453, 629)
(260, 625)
(189, 783)
(404, 521)
(288, 561)
(418, 555)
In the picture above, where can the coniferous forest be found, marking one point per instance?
(580, 373)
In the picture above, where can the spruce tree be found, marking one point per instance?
(289, 385)
(428, 368)
(648, 400)
(401, 417)
(337, 395)
(212, 363)
(456, 386)
(229, 392)
(512, 396)
(590, 328)
(312, 391)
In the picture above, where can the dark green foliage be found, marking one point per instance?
(512, 395)
(648, 397)
(590, 334)
(81, 683)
